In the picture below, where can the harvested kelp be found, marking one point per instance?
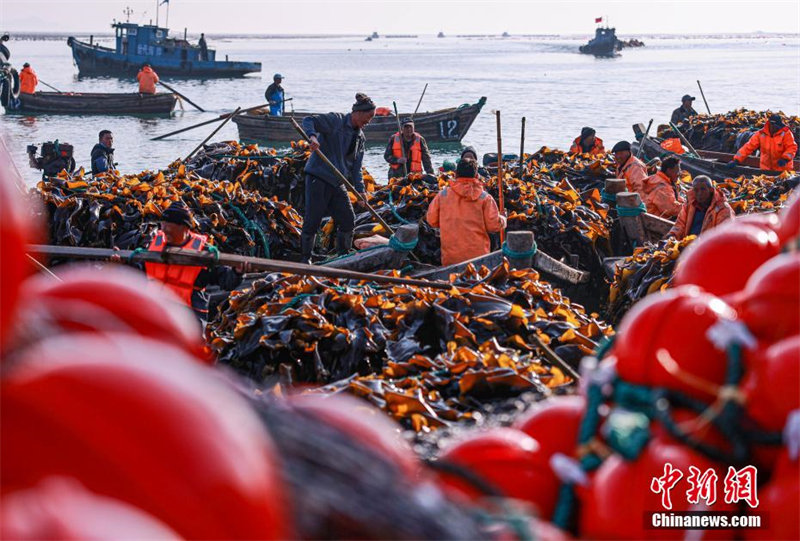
(729, 131)
(759, 193)
(123, 211)
(426, 356)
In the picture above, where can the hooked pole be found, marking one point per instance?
(704, 96)
(522, 150)
(420, 101)
(500, 174)
(227, 119)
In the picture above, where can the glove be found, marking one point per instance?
(731, 164)
(782, 162)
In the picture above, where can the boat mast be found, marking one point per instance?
(157, 10)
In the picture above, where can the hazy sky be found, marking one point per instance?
(409, 16)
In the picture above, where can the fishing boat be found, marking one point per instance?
(604, 43)
(139, 44)
(709, 163)
(442, 126)
(93, 103)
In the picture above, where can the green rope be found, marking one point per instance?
(604, 346)
(394, 210)
(296, 300)
(632, 211)
(518, 522)
(399, 246)
(511, 254)
(135, 252)
(608, 197)
(350, 254)
(253, 227)
(213, 250)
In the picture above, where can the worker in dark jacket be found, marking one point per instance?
(203, 47)
(103, 153)
(341, 140)
(469, 153)
(409, 149)
(275, 95)
(684, 111)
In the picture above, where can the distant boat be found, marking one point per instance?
(506, 35)
(440, 35)
(442, 126)
(604, 43)
(375, 35)
(93, 103)
(139, 44)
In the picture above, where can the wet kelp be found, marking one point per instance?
(729, 131)
(426, 356)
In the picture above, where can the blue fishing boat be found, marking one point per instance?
(138, 44)
(605, 43)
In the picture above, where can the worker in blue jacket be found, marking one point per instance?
(341, 140)
(275, 95)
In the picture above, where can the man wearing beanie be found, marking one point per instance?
(629, 167)
(587, 143)
(341, 139)
(776, 143)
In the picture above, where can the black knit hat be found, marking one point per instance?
(177, 214)
(469, 149)
(363, 103)
(622, 145)
(776, 119)
(467, 168)
(586, 132)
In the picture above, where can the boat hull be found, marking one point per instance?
(94, 60)
(77, 103)
(443, 126)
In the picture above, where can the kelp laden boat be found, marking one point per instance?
(93, 103)
(442, 126)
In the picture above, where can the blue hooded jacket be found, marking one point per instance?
(342, 144)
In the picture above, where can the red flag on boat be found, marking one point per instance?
(598, 20)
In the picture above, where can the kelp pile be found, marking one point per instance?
(123, 211)
(759, 193)
(428, 357)
(648, 270)
(729, 131)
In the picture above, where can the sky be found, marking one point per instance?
(408, 16)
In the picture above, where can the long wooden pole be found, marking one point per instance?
(177, 256)
(165, 85)
(522, 150)
(400, 133)
(500, 197)
(210, 135)
(684, 139)
(420, 101)
(207, 122)
(343, 179)
(50, 86)
(644, 137)
(704, 96)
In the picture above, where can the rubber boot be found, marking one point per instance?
(306, 246)
(344, 241)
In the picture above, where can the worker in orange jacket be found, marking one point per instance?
(465, 215)
(705, 208)
(587, 143)
(629, 167)
(147, 80)
(659, 190)
(776, 144)
(27, 79)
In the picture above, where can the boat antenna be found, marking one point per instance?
(157, 10)
(127, 11)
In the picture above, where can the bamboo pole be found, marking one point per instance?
(684, 139)
(500, 197)
(198, 147)
(644, 138)
(419, 102)
(704, 96)
(207, 122)
(522, 150)
(50, 86)
(193, 104)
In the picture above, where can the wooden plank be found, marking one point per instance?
(632, 225)
(655, 226)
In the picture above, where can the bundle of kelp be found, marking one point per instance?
(123, 210)
(729, 131)
(426, 356)
(759, 193)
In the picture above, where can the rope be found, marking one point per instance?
(213, 250)
(400, 246)
(345, 256)
(608, 197)
(135, 252)
(632, 211)
(511, 254)
(394, 210)
(296, 300)
(253, 227)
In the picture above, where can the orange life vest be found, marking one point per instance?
(416, 152)
(179, 278)
(673, 145)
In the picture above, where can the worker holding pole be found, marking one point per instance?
(340, 137)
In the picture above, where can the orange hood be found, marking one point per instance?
(467, 188)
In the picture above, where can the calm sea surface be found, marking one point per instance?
(541, 78)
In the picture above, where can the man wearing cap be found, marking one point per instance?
(776, 144)
(274, 95)
(27, 79)
(705, 208)
(341, 139)
(684, 111)
(629, 167)
(587, 143)
(409, 149)
(187, 282)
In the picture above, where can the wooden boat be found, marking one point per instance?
(712, 164)
(442, 126)
(93, 103)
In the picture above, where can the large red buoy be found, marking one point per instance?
(771, 384)
(140, 421)
(779, 501)
(722, 260)
(769, 303)
(554, 423)
(790, 220)
(662, 342)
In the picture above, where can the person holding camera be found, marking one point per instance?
(56, 157)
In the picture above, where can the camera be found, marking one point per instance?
(54, 158)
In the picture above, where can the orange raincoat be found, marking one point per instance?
(634, 172)
(773, 147)
(597, 148)
(659, 196)
(28, 80)
(147, 80)
(465, 214)
(719, 211)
